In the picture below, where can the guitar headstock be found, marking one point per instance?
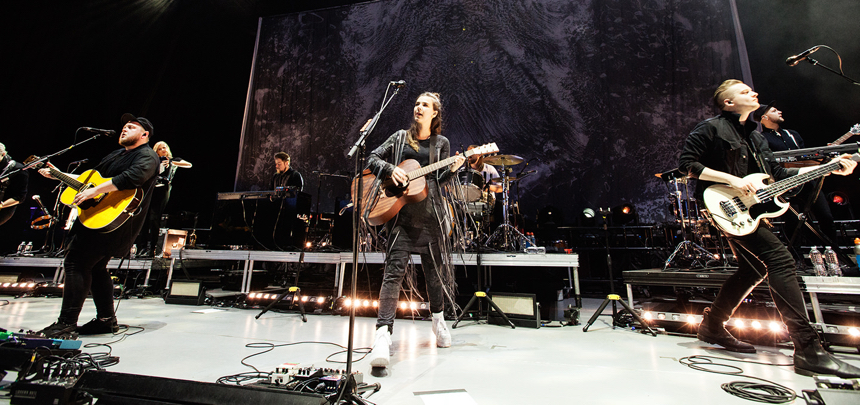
(482, 150)
(32, 161)
(855, 129)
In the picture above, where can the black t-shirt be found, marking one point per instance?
(127, 169)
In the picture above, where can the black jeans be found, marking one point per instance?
(395, 270)
(761, 254)
(86, 272)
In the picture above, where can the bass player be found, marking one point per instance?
(725, 149)
(89, 250)
(418, 226)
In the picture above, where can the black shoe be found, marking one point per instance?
(99, 326)
(59, 330)
(811, 359)
(714, 332)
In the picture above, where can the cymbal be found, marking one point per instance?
(671, 174)
(500, 180)
(503, 160)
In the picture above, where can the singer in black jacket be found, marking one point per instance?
(90, 250)
(418, 227)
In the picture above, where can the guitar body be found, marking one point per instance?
(739, 214)
(105, 212)
(392, 197)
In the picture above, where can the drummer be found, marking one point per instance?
(476, 162)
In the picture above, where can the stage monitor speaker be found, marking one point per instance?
(186, 292)
(131, 389)
(521, 309)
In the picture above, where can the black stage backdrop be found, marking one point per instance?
(597, 96)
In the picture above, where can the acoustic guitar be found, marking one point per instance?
(104, 212)
(739, 214)
(392, 197)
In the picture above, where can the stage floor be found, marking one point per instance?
(486, 364)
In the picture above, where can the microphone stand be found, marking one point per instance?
(840, 74)
(349, 389)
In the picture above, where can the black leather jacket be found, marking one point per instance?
(720, 143)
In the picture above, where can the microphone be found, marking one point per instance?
(397, 83)
(42, 206)
(77, 162)
(794, 60)
(106, 132)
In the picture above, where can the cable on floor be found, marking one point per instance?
(770, 393)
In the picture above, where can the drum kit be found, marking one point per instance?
(480, 202)
(694, 227)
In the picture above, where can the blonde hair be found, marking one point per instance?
(719, 99)
(435, 124)
(158, 145)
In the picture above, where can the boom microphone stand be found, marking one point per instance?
(349, 389)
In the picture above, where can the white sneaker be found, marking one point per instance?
(443, 336)
(381, 352)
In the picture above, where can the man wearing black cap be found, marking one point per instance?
(89, 250)
(725, 149)
(781, 139)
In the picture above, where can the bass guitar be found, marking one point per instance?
(104, 212)
(392, 197)
(739, 214)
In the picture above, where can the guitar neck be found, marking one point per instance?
(435, 166)
(843, 138)
(66, 179)
(776, 189)
(851, 132)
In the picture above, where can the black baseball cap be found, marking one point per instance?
(763, 110)
(147, 126)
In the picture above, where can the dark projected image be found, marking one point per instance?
(595, 96)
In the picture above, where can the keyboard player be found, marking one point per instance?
(285, 176)
(781, 139)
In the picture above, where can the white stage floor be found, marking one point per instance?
(486, 364)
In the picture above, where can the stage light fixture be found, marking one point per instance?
(691, 319)
(775, 326)
(838, 198)
(648, 316)
(624, 214)
(739, 323)
(403, 305)
(661, 316)
(756, 325)
(854, 332)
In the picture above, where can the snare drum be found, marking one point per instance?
(472, 182)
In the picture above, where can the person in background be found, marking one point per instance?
(285, 176)
(160, 196)
(13, 189)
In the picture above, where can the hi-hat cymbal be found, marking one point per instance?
(503, 160)
(500, 180)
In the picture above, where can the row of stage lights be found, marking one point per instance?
(30, 288)
(295, 297)
(402, 305)
(739, 324)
